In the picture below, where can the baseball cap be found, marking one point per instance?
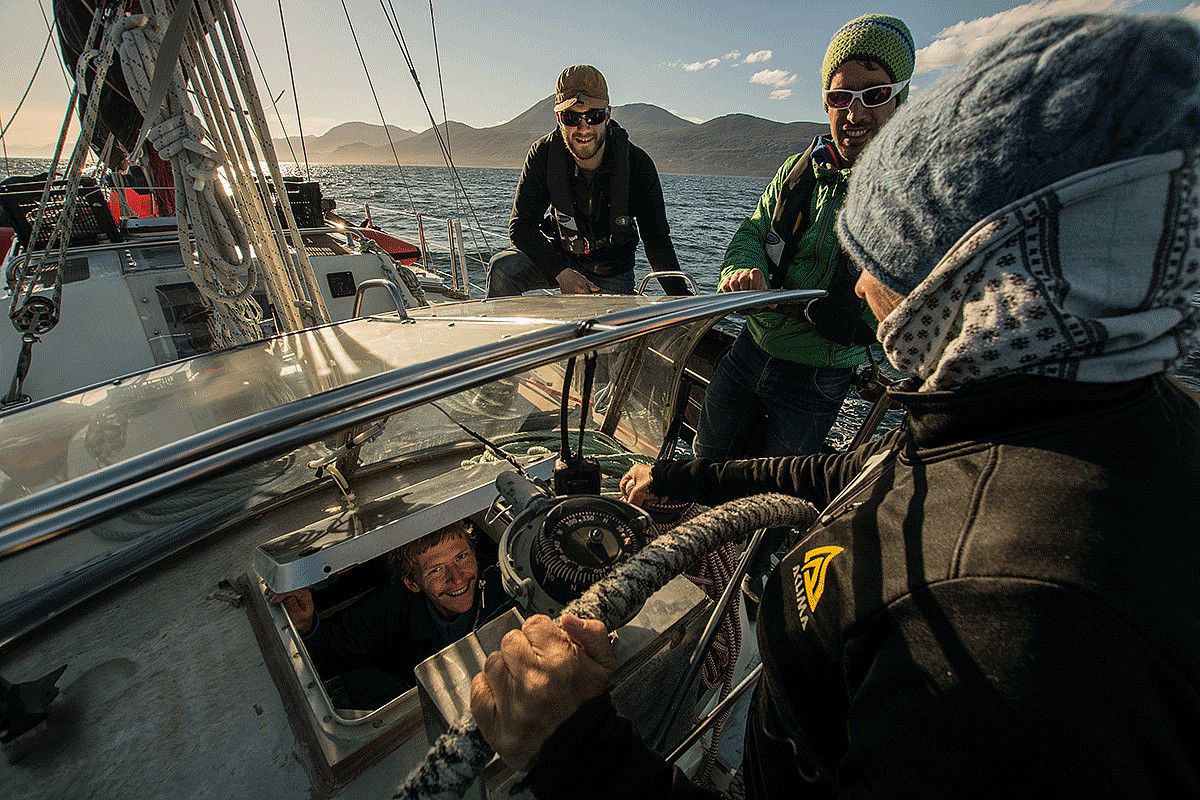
(581, 83)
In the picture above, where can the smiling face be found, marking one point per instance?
(447, 573)
(854, 127)
(584, 140)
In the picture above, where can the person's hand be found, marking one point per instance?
(572, 281)
(635, 486)
(743, 280)
(299, 606)
(540, 676)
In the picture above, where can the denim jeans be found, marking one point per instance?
(511, 272)
(797, 402)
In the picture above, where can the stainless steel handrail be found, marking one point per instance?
(83, 500)
(370, 283)
(671, 273)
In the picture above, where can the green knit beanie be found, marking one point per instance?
(877, 37)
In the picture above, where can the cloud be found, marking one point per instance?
(960, 41)
(733, 55)
(780, 94)
(696, 66)
(778, 78)
(1191, 12)
(758, 56)
(688, 117)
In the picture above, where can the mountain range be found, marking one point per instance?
(735, 144)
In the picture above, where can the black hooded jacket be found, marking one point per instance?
(591, 197)
(1004, 606)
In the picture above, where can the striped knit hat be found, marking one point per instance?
(877, 37)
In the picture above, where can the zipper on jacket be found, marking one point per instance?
(825, 223)
(839, 183)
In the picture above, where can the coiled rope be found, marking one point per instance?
(221, 186)
(459, 755)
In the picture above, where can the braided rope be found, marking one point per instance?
(459, 755)
(102, 54)
(221, 267)
(223, 167)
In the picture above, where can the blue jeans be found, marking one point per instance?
(798, 404)
(511, 272)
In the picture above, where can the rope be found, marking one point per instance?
(221, 267)
(31, 273)
(459, 755)
(295, 95)
(304, 290)
(717, 670)
(455, 178)
(222, 190)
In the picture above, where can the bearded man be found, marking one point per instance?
(585, 195)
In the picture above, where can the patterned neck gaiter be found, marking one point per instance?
(1091, 279)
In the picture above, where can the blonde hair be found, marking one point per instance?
(403, 559)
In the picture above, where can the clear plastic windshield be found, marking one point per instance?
(434, 446)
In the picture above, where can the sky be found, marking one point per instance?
(699, 60)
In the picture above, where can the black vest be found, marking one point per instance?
(622, 230)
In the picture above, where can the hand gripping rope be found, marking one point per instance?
(458, 756)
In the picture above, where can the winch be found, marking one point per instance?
(555, 548)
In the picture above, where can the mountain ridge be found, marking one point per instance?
(734, 144)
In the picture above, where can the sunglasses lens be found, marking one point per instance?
(877, 96)
(593, 116)
(838, 99)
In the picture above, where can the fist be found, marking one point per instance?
(743, 280)
(635, 486)
(299, 606)
(540, 676)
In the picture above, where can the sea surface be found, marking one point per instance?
(704, 211)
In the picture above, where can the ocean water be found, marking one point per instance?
(704, 211)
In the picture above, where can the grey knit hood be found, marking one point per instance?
(1056, 98)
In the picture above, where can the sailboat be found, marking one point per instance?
(253, 438)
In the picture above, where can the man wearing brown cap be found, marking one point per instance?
(584, 195)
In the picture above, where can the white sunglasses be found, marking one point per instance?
(870, 97)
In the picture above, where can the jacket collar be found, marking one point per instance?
(1009, 408)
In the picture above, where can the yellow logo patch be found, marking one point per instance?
(816, 561)
(809, 580)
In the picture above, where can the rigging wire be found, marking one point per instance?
(456, 180)
(61, 61)
(21, 102)
(387, 131)
(262, 73)
(437, 58)
(295, 97)
(445, 117)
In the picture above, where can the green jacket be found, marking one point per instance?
(781, 335)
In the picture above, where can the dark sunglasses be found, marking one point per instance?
(870, 97)
(593, 116)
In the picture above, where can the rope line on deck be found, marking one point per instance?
(458, 756)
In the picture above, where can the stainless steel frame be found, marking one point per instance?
(78, 502)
